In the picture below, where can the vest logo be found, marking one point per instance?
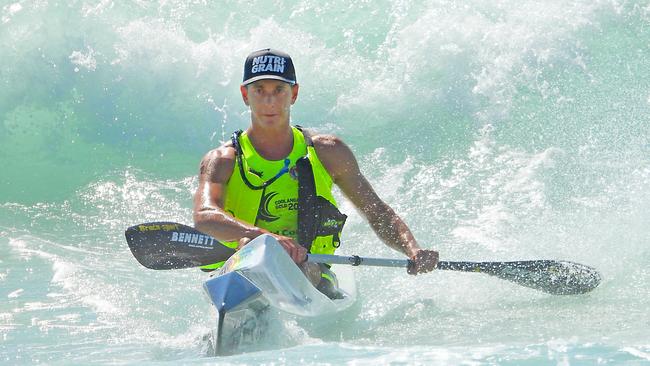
(259, 174)
(264, 213)
(193, 240)
(268, 63)
(332, 223)
(286, 232)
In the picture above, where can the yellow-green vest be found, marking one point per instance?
(291, 197)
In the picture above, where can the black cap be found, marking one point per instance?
(269, 64)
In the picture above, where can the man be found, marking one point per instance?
(276, 179)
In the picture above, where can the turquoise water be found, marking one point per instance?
(498, 131)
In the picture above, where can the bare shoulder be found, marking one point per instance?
(336, 155)
(326, 142)
(217, 164)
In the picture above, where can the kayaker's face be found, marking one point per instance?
(270, 101)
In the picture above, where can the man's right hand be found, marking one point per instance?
(296, 251)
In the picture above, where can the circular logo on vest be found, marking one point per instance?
(264, 213)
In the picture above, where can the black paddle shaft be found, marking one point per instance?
(169, 245)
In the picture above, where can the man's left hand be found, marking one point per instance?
(423, 261)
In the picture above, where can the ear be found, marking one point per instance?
(244, 93)
(294, 93)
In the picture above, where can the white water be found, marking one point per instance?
(498, 131)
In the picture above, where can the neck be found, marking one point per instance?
(271, 143)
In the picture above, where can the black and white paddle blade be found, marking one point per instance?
(170, 245)
(551, 276)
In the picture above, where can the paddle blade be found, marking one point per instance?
(169, 245)
(553, 277)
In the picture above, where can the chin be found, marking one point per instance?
(271, 121)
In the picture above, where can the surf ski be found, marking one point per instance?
(259, 283)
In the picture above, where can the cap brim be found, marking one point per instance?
(262, 77)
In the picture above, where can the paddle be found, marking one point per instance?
(552, 276)
(169, 245)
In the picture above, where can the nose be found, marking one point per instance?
(267, 98)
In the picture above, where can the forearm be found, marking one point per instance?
(224, 227)
(392, 230)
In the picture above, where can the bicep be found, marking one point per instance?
(209, 195)
(216, 169)
(344, 169)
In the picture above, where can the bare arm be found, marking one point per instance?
(209, 202)
(391, 229)
(209, 215)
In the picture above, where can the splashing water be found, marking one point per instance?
(498, 131)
